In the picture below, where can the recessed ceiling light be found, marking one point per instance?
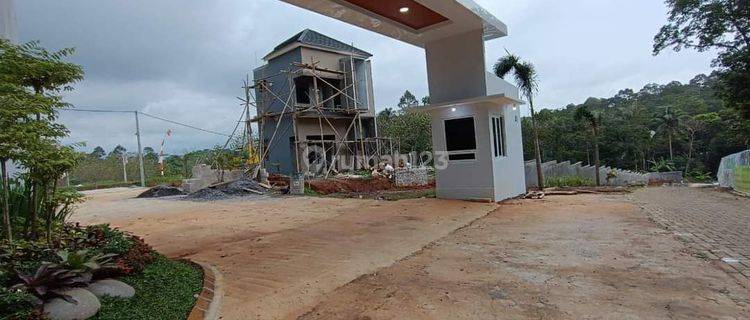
(453, 109)
(403, 9)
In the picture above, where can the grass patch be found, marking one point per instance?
(105, 185)
(165, 290)
(567, 181)
(410, 194)
(311, 193)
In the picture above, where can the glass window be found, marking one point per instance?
(498, 136)
(459, 134)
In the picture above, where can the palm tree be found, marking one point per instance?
(526, 81)
(593, 122)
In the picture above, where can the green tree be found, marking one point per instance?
(118, 152)
(633, 137)
(425, 100)
(669, 123)
(150, 154)
(525, 76)
(224, 159)
(411, 131)
(98, 152)
(19, 130)
(722, 25)
(50, 162)
(694, 125)
(31, 79)
(407, 100)
(593, 122)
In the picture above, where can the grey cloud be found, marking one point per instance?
(185, 60)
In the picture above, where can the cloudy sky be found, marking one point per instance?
(185, 60)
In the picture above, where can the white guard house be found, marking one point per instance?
(475, 115)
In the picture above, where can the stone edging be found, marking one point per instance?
(209, 299)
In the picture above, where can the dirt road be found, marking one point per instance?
(562, 257)
(565, 257)
(280, 256)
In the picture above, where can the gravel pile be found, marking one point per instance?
(161, 191)
(242, 187)
(207, 194)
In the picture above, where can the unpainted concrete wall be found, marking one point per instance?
(552, 169)
(204, 176)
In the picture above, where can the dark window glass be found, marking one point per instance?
(498, 136)
(459, 134)
(327, 137)
(494, 137)
(461, 156)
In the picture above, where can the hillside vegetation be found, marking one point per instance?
(636, 129)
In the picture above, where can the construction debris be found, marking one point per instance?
(534, 195)
(407, 177)
(161, 191)
(237, 188)
(567, 191)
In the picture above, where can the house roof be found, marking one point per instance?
(316, 39)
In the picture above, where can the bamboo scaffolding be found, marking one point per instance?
(317, 105)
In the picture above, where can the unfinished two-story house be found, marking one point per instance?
(314, 98)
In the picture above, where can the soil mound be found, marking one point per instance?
(161, 191)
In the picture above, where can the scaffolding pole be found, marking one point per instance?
(295, 111)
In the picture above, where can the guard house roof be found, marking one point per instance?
(413, 21)
(311, 38)
(493, 99)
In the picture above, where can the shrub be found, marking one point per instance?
(567, 181)
(17, 305)
(699, 176)
(108, 240)
(46, 282)
(87, 263)
(174, 181)
(23, 256)
(135, 260)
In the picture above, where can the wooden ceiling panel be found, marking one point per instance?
(417, 17)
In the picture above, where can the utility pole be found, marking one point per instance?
(248, 128)
(140, 151)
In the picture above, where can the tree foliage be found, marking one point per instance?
(634, 134)
(593, 122)
(525, 77)
(410, 131)
(31, 80)
(722, 25)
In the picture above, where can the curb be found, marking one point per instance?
(209, 299)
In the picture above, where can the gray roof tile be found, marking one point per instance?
(316, 39)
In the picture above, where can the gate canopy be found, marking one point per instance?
(417, 22)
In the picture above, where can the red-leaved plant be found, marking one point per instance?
(48, 282)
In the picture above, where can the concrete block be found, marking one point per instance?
(410, 177)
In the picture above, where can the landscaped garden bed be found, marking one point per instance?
(40, 280)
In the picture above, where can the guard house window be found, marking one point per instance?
(460, 139)
(498, 136)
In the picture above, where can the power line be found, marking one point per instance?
(151, 116)
(100, 111)
(185, 125)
